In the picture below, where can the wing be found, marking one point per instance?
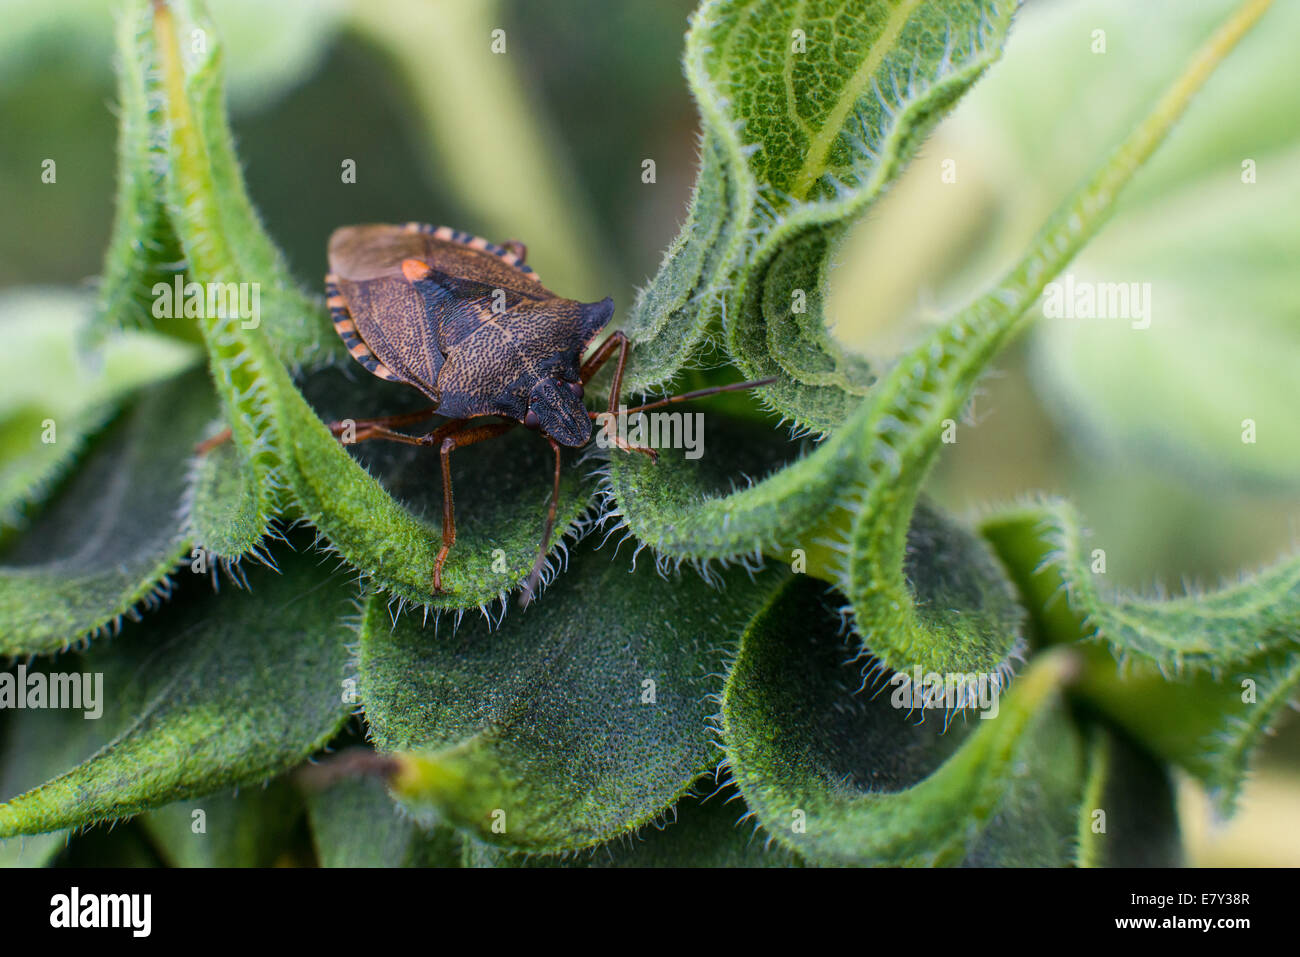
(406, 320)
(376, 250)
(392, 334)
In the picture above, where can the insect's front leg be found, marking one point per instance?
(619, 341)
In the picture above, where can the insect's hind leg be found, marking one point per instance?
(352, 431)
(455, 435)
(517, 248)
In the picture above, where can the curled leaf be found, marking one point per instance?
(810, 110)
(1197, 679)
(842, 775)
(867, 475)
(282, 448)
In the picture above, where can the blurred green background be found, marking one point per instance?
(546, 142)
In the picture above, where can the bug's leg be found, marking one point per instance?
(701, 393)
(530, 587)
(519, 250)
(364, 429)
(376, 428)
(619, 341)
(454, 436)
(207, 445)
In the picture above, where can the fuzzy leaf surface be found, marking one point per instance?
(840, 775)
(111, 536)
(221, 690)
(865, 478)
(1198, 678)
(580, 720)
(810, 109)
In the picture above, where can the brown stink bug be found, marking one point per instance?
(470, 325)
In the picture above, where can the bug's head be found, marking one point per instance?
(555, 408)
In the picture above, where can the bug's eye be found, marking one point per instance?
(531, 421)
(577, 389)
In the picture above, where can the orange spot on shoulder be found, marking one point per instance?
(414, 270)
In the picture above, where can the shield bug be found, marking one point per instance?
(469, 324)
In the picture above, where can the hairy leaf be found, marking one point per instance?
(582, 719)
(1197, 679)
(699, 832)
(354, 823)
(111, 536)
(810, 109)
(380, 507)
(143, 249)
(36, 745)
(223, 515)
(866, 476)
(280, 441)
(196, 186)
(219, 691)
(844, 776)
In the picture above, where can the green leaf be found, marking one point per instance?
(844, 776)
(1197, 679)
(143, 249)
(220, 691)
(940, 602)
(675, 316)
(1138, 823)
(1043, 543)
(107, 542)
(223, 513)
(200, 175)
(354, 823)
(698, 832)
(73, 389)
(380, 507)
(219, 230)
(892, 581)
(810, 110)
(579, 720)
(867, 475)
(254, 828)
(280, 440)
(36, 745)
